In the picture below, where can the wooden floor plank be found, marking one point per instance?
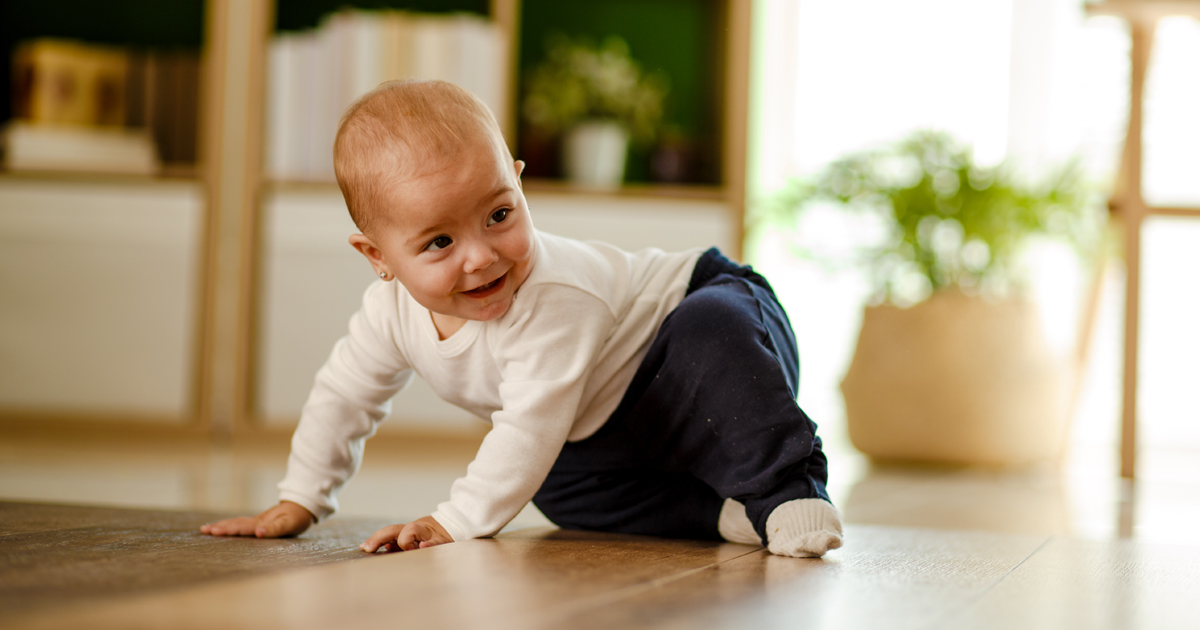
(52, 555)
(883, 577)
(552, 579)
(520, 580)
(1074, 583)
(66, 567)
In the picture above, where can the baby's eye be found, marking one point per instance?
(498, 216)
(440, 242)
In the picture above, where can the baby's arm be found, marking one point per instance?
(348, 400)
(419, 534)
(285, 519)
(545, 357)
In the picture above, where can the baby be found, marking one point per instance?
(646, 393)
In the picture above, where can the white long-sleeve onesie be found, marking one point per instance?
(550, 370)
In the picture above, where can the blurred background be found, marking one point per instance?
(174, 265)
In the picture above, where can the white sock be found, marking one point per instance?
(803, 528)
(735, 527)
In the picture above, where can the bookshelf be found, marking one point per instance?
(711, 59)
(99, 68)
(702, 45)
(233, 281)
(103, 306)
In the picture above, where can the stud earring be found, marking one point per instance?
(383, 274)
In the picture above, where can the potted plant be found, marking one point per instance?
(951, 363)
(597, 99)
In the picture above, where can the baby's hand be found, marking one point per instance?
(419, 534)
(285, 519)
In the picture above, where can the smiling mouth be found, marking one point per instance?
(487, 289)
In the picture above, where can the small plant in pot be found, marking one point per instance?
(598, 99)
(951, 363)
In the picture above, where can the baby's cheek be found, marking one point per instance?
(521, 252)
(438, 281)
(430, 291)
(526, 244)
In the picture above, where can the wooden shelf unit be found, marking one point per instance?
(730, 54)
(230, 167)
(732, 88)
(551, 186)
(178, 173)
(637, 189)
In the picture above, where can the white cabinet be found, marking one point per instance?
(98, 297)
(312, 281)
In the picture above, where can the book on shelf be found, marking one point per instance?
(62, 82)
(313, 76)
(95, 149)
(168, 102)
(73, 96)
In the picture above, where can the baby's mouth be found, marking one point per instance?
(487, 289)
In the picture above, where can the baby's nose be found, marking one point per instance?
(480, 258)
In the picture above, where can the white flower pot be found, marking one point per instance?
(956, 379)
(594, 154)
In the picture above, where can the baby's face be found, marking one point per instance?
(459, 238)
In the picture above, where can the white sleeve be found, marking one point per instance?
(348, 401)
(545, 359)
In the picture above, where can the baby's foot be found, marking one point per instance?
(735, 526)
(803, 528)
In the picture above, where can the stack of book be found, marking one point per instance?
(83, 107)
(315, 75)
(164, 93)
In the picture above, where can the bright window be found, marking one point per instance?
(1034, 81)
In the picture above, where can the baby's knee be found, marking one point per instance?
(718, 313)
(738, 322)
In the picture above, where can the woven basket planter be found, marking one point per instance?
(956, 379)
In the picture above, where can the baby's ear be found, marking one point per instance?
(518, 168)
(366, 247)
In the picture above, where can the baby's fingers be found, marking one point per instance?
(279, 525)
(381, 538)
(418, 535)
(410, 537)
(240, 526)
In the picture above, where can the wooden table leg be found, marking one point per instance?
(1132, 211)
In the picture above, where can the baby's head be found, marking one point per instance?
(430, 183)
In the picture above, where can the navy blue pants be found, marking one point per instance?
(710, 414)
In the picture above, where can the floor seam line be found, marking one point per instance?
(980, 595)
(631, 590)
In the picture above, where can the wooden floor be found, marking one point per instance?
(52, 555)
(79, 567)
(925, 548)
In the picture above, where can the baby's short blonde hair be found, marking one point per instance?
(400, 130)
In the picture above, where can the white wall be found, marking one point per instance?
(98, 289)
(313, 281)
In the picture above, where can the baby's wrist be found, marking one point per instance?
(298, 510)
(438, 530)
